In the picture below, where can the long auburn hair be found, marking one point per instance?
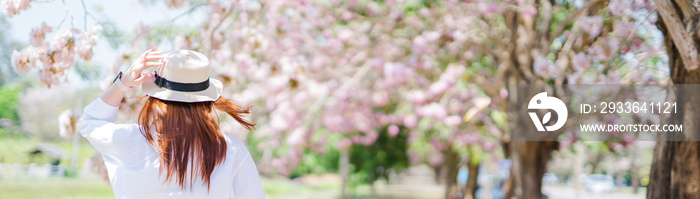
(187, 132)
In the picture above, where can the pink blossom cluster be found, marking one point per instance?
(544, 67)
(592, 25)
(618, 7)
(13, 7)
(37, 35)
(622, 55)
(56, 56)
(25, 60)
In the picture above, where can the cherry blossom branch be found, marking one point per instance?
(316, 106)
(524, 71)
(634, 30)
(562, 26)
(86, 15)
(223, 18)
(68, 13)
(189, 11)
(546, 15)
(564, 53)
(494, 130)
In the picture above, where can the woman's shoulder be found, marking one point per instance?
(237, 150)
(235, 143)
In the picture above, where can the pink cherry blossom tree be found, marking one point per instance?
(559, 43)
(334, 72)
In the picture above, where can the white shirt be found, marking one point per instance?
(133, 164)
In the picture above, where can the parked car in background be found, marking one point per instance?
(599, 183)
(550, 178)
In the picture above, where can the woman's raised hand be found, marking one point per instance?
(151, 58)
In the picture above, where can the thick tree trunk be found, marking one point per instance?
(529, 164)
(470, 187)
(528, 158)
(452, 169)
(675, 169)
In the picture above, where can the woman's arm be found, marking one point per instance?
(132, 77)
(97, 124)
(113, 96)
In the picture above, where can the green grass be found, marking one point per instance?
(77, 188)
(57, 188)
(275, 188)
(92, 187)
(285, 189)
(15, 150)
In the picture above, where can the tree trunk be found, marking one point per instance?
(529, 164)
(597, 159)
(635, 170)
(528, 158)
(579, 161)
(452, 169)
(527, 39)
(635, 181)
(76, 142)
(675, 172)
(470, 187)
(439, 176)
(344, 172)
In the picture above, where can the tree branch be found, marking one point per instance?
(223, 18)
(562, 26)
(546, 15)
(86, 15)
(192, 9)
(688, 9)
(316, 106)
(68, 14)
(681, 39)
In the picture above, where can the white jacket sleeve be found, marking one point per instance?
(98, 127)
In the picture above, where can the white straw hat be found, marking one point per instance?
(184, 77)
